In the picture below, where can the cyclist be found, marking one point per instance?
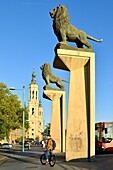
(49, 147)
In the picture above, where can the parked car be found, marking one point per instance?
(26, 144)
(7, 145)
(35, 142)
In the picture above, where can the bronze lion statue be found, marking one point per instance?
(67, 32)
(50, 78)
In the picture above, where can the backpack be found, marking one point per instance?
(53, 144)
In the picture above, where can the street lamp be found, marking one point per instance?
(23, 114)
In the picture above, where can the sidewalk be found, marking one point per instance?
(6, 154)
(3, 157)
(100, 162)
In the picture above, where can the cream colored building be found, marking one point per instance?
(35, 115)
(35, 109)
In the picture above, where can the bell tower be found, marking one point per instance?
(35, 120)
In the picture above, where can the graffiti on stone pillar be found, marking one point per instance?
(76, 141)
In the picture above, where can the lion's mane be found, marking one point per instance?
(46, 70)
(49, 77)
(61, 18)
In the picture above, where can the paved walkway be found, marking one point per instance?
(99, 163)
(3, 157)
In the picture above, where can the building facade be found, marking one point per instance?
(35, 111)
(35, 115)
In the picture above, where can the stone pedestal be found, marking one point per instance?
(80, 138)
(57, 129)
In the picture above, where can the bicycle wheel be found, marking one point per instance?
(43, 159)
(52, 160)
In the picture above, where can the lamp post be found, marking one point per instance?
(23, 114)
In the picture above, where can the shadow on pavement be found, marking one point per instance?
(27, 156)
(33, 156)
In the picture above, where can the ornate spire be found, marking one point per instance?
(33, 81)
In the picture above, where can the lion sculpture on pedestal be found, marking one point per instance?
(67, 32)
(50, 78)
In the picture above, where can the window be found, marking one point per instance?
(32, 129)
(36, 94)
(30, 94)
(32, 111)
(39, 123)
(40, 113)
(106, 130)
(33, 94)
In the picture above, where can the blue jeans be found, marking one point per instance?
(47, 153)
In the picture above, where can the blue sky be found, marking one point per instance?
(27, 41)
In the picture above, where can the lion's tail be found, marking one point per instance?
(94, 39)
(65, 81)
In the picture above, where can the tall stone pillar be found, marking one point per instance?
(80, 138)
(57, 129)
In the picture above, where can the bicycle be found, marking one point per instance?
(51, 158)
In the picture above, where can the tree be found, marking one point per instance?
(10, 112)
(47, 129)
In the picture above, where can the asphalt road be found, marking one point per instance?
(29, 160)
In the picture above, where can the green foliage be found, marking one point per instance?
(47, 130)
(10, 112)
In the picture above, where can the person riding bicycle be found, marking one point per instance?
(49, 147)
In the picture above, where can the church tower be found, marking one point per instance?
(35, 110)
